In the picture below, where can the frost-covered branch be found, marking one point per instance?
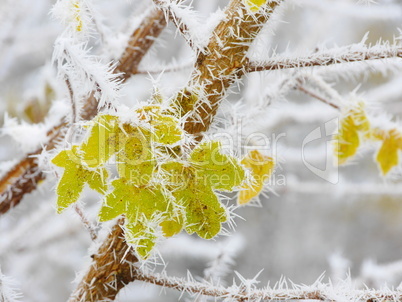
(305, 90)
(111, 269)
(349, 54)
(221, 63)
(25, 175)
(140, 42)
(282, 291)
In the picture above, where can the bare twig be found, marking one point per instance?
(303, 89)
(88, 225)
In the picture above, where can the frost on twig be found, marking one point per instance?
(8, 291)
(111, 269)
(25, 175)
(349, 54)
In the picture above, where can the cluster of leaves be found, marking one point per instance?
(355, 128)
(162, 186)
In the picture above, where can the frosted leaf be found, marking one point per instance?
(387, 156)
(75, 177)
(261, 168)
(354, 126)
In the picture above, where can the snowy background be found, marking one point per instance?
(306, 226)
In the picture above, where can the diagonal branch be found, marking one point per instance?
(221, 64)
(24, 177)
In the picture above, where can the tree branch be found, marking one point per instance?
(350, 54)
(303, 89)
(221, 63)
(110, 271)
(317, 291)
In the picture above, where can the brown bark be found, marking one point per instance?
(222, 62)
(110, 270)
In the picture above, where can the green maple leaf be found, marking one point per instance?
(193, 187)
(202, 210)
(141, 237)
(140, 205)
(75, 176)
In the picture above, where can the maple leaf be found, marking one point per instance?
(166, 129)
(139, 204)
(261, 168)
(202, 209)
(75, 176)
(220, 171)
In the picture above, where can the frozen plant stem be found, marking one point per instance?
(88, 225)
(177, 21)
(222, 62)
(350, 54)
(237, 293)
(110, 271)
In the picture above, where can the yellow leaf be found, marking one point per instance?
(354, 127)
(261, 168)
(387, 157)
(347, 141)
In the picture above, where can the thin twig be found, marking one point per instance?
(303, 89)
(177, 21)
(329, 57)
(88, 225)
